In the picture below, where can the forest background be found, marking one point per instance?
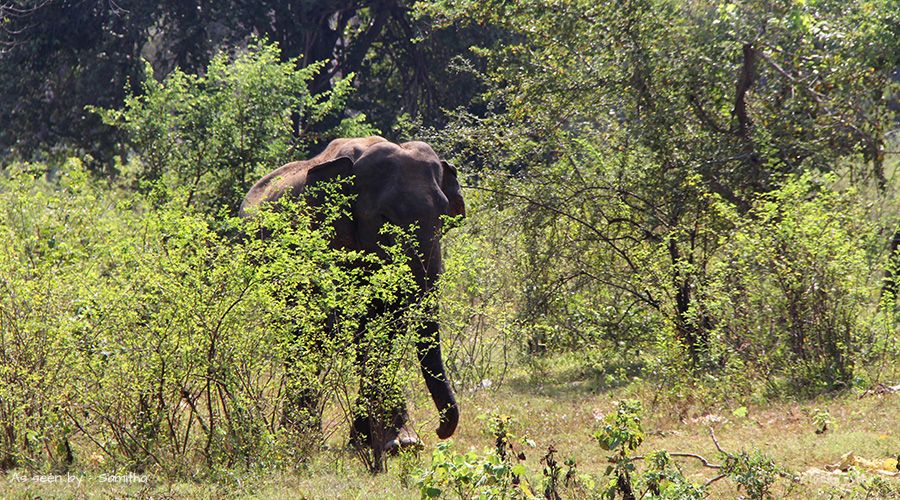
(676, 210)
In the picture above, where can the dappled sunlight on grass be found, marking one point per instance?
(566, 419)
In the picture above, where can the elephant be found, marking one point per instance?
(402, 184)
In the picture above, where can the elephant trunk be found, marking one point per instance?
(429, 347)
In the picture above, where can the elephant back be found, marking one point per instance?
(292, 177)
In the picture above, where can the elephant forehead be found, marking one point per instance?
(399, 173)
(419, 148)
(391, 156)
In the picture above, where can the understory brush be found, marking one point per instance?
(787, 300)
(151, 337)
(501, 471)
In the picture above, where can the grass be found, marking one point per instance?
(562, 409)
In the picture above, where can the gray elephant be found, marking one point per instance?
(402, 184)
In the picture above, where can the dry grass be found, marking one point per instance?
(561, 410)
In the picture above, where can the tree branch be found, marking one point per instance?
(715, 441)
(703, 116)
(745, 81)
(706, 463)
(711, 481)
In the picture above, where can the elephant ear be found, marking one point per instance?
(330, 170)
(451, 189)
(344, 227)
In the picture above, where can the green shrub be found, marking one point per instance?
(142, 335)
(664, 479)
(621, 434)
(792, 293)
(209, 137)
(469, 475)
(497, 473)
(753, 472)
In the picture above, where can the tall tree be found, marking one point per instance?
(57, 56)
(627, 121)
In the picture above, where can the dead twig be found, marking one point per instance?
(716, 441)
(711, 481)
(703, 460)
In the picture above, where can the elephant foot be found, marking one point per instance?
(393, 439)
(403, 439)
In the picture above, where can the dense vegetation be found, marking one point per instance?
(696, 197)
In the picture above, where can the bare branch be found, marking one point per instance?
(711, 481)
(704, 461)
(715, 441)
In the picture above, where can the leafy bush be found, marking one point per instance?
(663, 479)
(497, 473)
(621, 434)
(753, 472)
(469, 475)
(143, 336)
(785, 295)
(793, 292)
(208, 137)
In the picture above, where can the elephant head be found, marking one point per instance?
(405, 185)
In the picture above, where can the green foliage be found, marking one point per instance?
(208, 137)
(135, 332)
(471, 475)
(693, 194)
(498, 473)
(477, 292)
(865, 485)
(59, 56)
(822, 420)
(663, 479)
(631, 141)
(493, 474)
(500, 428)
(753, 472)
(801, 257)
(621, 434)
